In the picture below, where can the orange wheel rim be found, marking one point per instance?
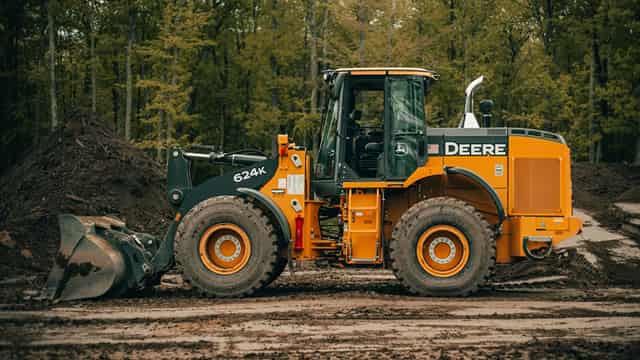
(224, 249)
(443, 251)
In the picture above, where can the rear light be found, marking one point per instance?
(299, 223)
(283, 150)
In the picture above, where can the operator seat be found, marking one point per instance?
(371, 151)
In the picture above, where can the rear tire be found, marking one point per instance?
(425, 269)
(226, 247)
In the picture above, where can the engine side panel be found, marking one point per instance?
(529, 170)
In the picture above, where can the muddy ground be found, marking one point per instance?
(333, 314)
(582, 302)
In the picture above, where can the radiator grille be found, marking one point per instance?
(537, 185)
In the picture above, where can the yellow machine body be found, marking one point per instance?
(438, 206)
(533, 182)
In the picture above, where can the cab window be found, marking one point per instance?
(325, 165)
(406, 125)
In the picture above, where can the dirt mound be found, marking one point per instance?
(83, 168)
(631, 195)
(597, 186)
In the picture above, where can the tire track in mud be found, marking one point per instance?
(326, 325)
(293, 320)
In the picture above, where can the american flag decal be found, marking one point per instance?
(433, 149)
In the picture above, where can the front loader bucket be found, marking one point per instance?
(95, 259)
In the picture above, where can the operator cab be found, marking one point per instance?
(373, 126)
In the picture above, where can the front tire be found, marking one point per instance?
(442, 247)
(226, 247)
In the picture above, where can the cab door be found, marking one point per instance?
(324, 180)
(405, 128)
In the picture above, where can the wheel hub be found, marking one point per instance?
(227, 248)
(224, 248)
(442, 250)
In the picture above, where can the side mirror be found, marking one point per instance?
(486, 106)
(356, 115)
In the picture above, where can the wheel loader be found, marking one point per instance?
(438, 206)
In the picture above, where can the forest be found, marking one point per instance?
(233, 73)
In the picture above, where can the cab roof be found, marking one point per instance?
(390, 71)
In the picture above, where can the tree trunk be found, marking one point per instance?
(174, 81)
(324, 31)
(599, 113)
(451, 51)
(322, 63)
(115, 98)
(93, 72)
(41, 103)
(363, 21)
(129, 101)
(392, 20)
(62, 79)
(604, 49)
(636, 162)
(160, 137)
(313, 58)
(275, 97)
(52, 67)
(71, 84)
(592, 113)
(225, 89)
(548, 28)
(38, 98)
(140, 97)
(92, 55)
(313, 67)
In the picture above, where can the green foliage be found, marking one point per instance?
(235, 73)
(171, 56)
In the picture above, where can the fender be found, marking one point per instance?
(475, 177)
(275, 210)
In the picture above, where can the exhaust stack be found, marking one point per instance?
(469, 119)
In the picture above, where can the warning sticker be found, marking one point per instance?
(295, 184)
